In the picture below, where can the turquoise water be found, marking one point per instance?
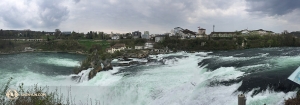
(203, 78)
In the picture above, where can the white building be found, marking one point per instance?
(146, 35)
(116, 47)
(223, 34)
(149, 45)
(201, 31)
(159, 38)
(245, 31)
(138, 47)
(259, 31)
(115, 37)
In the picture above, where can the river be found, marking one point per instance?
(202, 78)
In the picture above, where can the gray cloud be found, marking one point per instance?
(52, 14)
(156, 16)
(162, 13)
(32, 14)
(76, 1)
(11, 19)
(273, 7)
(213, 4)
(135, 15)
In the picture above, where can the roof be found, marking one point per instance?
(67, 32)
(297, 34)
(186, 31)
(108, 49)
(118, 45)
(223, 32)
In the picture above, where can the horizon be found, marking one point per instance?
(153, 16)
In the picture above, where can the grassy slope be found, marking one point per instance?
(89, 43)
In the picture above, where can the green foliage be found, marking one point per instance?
(131, 42)
(6, 44)
(89, 43)
(63, 45)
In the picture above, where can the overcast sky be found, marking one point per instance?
(155, 16)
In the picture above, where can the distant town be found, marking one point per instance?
(151, 39)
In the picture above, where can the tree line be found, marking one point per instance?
(229, 43)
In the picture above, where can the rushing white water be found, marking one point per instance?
(60, 61)
(180, 81)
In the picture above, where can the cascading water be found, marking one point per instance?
(204, 78)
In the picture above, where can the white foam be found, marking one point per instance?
(103, 78)
(61, 62)
(139, 60)
(245, 68)
(224, 73)
(268, 97)
(179, 82)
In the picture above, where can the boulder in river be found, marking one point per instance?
(95, 71)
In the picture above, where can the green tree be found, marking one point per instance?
(57, 33)
(270, 42)
(48, 39)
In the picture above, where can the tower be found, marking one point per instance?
(213, 28)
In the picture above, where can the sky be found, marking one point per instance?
(155, 16)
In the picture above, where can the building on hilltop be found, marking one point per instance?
(201, 31)
(138, 47)
(116, 47)
(149, 45)
(263, 32)
(159, 38)
(183, 33)
(259, 32)
(223, 34)
(66, 33)
(146, 35)
(136, 34)
(188, 34)
(115, 37)
(294, 33)
(245, 32)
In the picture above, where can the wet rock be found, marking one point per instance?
(75, 77)
(94, 72)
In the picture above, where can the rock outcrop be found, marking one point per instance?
(94, 72)
(95, 61)
(99, 65)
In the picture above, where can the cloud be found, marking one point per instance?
(51, 14)
(156, 16)
(273, 7)
(76, 1)
(132, 15)
(33, 13)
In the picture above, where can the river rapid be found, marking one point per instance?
(202, 78)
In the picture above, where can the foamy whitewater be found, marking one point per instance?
(203, 78)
